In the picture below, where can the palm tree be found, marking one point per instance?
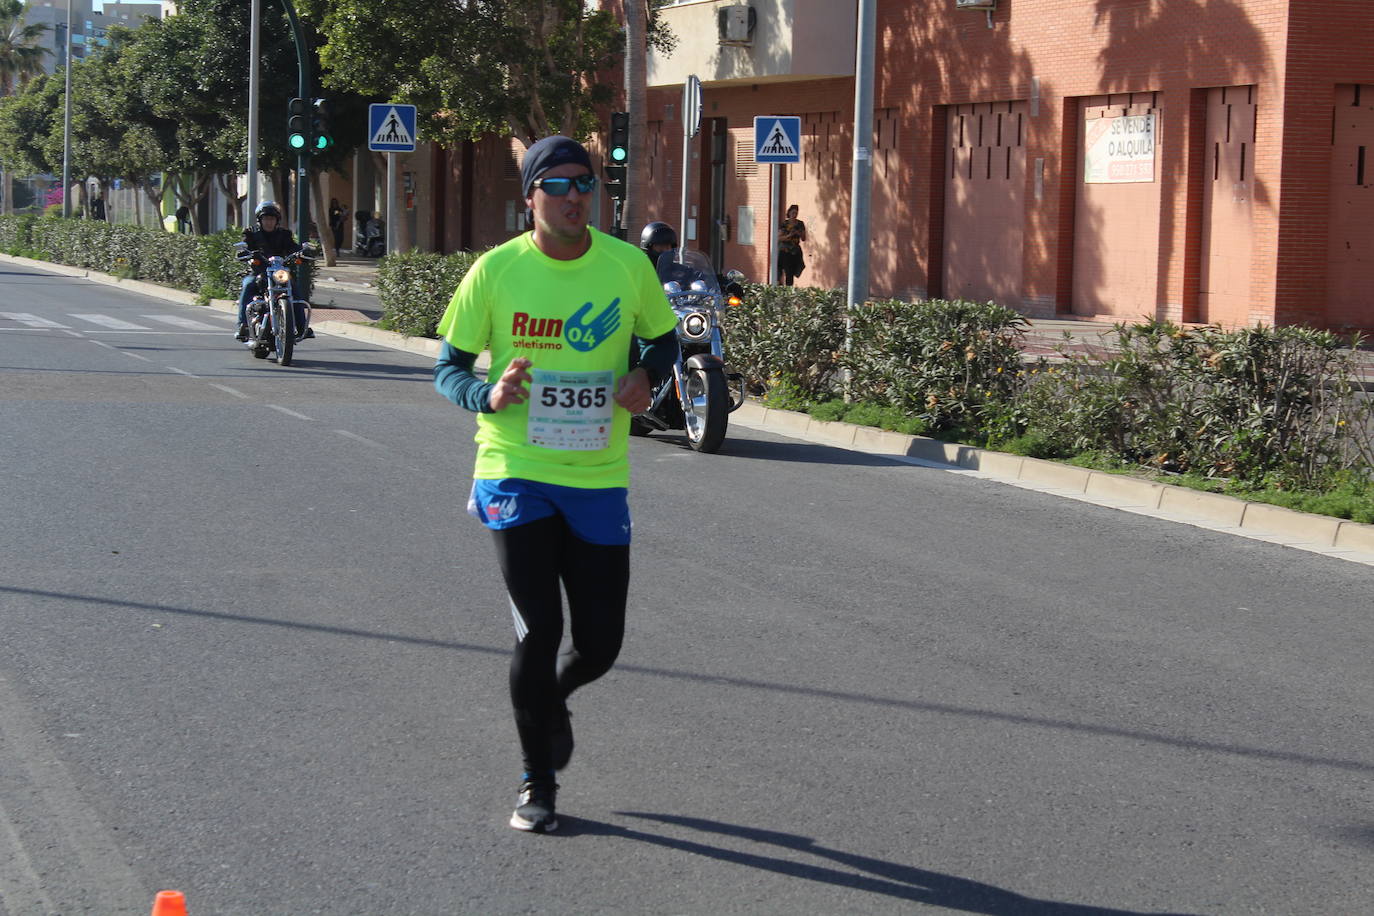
(20, 58)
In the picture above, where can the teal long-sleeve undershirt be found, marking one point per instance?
(455, 380)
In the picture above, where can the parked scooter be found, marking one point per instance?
(369, 235)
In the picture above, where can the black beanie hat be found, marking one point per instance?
(550, 153)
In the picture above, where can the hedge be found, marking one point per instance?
(202, 264)
(415, 288)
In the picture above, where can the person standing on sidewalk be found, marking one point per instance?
(556, 307)
(791, 234)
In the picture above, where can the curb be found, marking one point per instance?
(137, 286)
(1325, 534)
(1321, 533)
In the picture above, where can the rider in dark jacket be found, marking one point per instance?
(269, 238)
(656, 238)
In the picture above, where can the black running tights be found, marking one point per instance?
(534, 559)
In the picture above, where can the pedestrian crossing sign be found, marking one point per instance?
(777, 139)
(391, 128)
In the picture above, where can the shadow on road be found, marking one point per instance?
(741, 683)
(334, 368)
(890, 879)
(791, 450)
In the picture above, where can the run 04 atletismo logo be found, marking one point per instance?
(580, 333)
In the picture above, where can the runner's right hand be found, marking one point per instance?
(512, 387)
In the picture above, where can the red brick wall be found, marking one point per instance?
(1050, 54)
(820, 187)
(1330, 43)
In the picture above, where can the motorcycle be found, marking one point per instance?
(369, 236)
(702, 392)
(272, 319)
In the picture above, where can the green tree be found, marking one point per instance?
(26, 120)
(474, 67)
(189, 73)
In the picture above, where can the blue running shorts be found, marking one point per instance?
(595, 516)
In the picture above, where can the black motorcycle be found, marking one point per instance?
(702, 391)
(271, 311)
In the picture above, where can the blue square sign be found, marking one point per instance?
(391, 128)
(777, 139)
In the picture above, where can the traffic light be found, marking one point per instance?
(620, 138)
(320, 131)
(615, 181)
(298, 124)
(617, 155)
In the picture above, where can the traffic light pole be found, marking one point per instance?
(303, 157)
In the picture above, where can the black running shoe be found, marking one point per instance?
(561, 736)
(241, 333)
(534, 806)
(309, 333)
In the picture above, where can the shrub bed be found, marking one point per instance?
(1260, 410)
(415, 289)
(201, 264)
(1260, 406)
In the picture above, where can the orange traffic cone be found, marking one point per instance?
(169, 903)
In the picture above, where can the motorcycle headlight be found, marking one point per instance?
(281, 276)
(672, 287)
(695, 326)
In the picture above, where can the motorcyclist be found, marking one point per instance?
(269, 238)
(656, 238)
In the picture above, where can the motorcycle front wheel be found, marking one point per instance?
(706, 409)
(283, 329)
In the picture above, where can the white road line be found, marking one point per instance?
(107, 321)
(183, 372)
(288, 412)
(227, 390)
(72, 333)
(32, 321)
(101, 343)
(363, 439)
(178, 321)
(136, 356)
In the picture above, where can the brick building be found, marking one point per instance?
(1197, 160)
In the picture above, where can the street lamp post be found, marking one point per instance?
(254, 52)
(67, 124)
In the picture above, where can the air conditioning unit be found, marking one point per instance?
(975, 4)
(736, 24)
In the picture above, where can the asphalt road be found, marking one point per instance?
(253, 649)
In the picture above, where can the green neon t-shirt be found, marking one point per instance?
(573, 320)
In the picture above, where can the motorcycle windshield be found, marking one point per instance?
(695, 268)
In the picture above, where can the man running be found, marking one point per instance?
(556, 307)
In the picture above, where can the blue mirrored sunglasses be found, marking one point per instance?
(558, 187)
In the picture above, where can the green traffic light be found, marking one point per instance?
(619, 153)
(322, 142)
(297, 141)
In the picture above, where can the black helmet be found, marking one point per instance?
(266, 208)
(657, 233)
